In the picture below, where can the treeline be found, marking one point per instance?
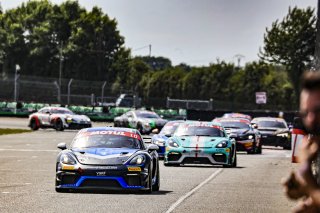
(68, 41)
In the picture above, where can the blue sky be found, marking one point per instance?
(195, 32)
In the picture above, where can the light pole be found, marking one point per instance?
(60, 63)
(69, 85)
(16, 76)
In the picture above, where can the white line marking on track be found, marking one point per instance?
(181, 199)
(29, 150)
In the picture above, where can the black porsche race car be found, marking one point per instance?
(107, 158)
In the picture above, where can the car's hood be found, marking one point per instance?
(199, 141)
(156, 121)
(269, 130)
(73, 116)
(159, 137)
(103, 156)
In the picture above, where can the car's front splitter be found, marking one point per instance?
(131, 177)
(215, 156)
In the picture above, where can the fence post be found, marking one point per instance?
(69, 85)
(211, 104)
(102, 91)
(92, 100)
(16, 76)
(58, 91)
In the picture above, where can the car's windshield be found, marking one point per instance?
(147, 115)
(194, 130)
(271, 124)
(234, 124)
(96, 140)
(61, 111)
(169, 128)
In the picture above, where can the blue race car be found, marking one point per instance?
(107, 158)
(196, 142)
(166, 132)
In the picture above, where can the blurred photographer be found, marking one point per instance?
(304, 183)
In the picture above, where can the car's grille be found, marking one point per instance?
(102, 183)
(133, 180)
(198, 160)
(240, 147)
(220, 158)
(69, 179)
(78, 126)
(174, 157)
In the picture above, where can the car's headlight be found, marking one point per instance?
(222, 144)
(172, 143)
(68, 119)
(250, 137)
(138, 160)
(285, 135)
(67, 159)
(159, 143)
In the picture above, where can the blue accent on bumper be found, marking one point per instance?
(161, 151)
(120, 180)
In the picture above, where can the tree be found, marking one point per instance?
(291, 43)
(33, 34)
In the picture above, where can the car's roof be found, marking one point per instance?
(122, 129)
(242, 120)
(267, 119)
(203, 122)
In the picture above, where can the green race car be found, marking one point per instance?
(196, 142)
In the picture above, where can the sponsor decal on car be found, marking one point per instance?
(67, 167)
(102, 173)
(111, 132)
(134, 169)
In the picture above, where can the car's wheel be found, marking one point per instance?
(259, 149)
(230, 162)
(156, 185)
(234, 164)
(33, 124)
(253, 150)
(59, 125)
(149, 190)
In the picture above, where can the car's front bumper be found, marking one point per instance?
(245, 145)
(78, 125)
(274, 140)
(116, 177)
(214, 156)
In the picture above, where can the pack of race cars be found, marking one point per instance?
(117, 157)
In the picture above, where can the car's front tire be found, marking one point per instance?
(231, 163)
(59, 125)
(156, 186)
(150, 188)
(33, 124)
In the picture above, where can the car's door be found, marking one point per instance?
(44, 116)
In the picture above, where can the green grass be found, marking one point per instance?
(12, 131)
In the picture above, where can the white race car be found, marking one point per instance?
(59, 118)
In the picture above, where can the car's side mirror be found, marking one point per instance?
(62, 146)
(255, 126)
(152, 147)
